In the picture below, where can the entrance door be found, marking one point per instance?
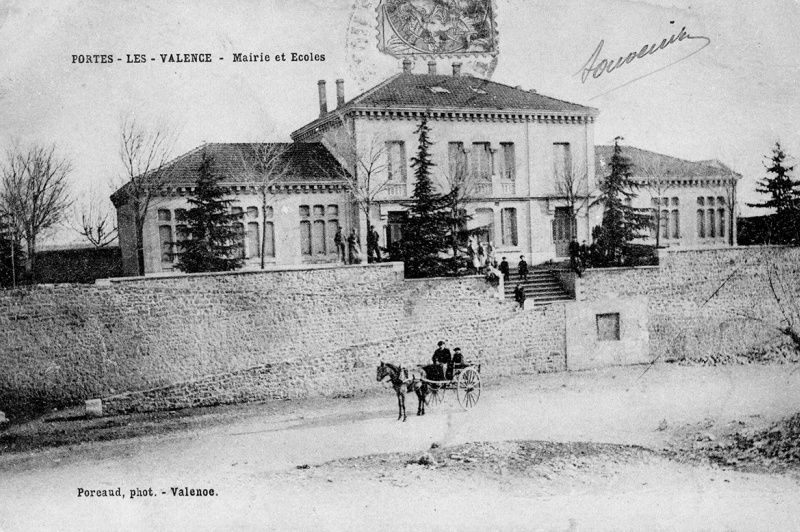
(564, 230)
(394, 232)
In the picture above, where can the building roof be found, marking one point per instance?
(648, 164)
(463, 92)
(305, 163)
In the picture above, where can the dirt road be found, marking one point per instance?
(251, 463)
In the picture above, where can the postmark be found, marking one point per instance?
(437, 27)
(382, 33)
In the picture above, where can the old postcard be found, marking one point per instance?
(379, 264)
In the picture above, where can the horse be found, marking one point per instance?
(398, 376)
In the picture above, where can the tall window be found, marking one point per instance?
(238, 228)
(269, 233)
(165, 237)
(711, 217)
(396, 151)
(562, 158)
(675, 219)
(481, 161)
(508, 161)
(665, 221)
(315, 225)
(508, 221)
(701, 217)
(456, 159)
(676, 224)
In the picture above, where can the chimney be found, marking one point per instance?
(456, 69)
(406, 66)
(339, 93)
(323, 98)
(432, 68)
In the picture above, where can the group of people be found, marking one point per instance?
(444, 363)
(481, 258)
(522, 269)
(349, 250)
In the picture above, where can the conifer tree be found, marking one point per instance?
(212, 241)
(784, 198)
(427, 232)
(622, 223)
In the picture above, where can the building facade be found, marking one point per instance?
(306, 203)
(504, 144)
(526, 163)
(693, 204)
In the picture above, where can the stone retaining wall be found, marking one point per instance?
(205, 339)
(703, 302)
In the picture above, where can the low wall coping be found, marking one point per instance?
(620, 268)
(396, 266)
(454, 278)
(717, 249)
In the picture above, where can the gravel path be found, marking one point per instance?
(532, 430)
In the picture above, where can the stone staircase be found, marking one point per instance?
(541, 285)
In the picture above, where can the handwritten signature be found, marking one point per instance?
(595, 68)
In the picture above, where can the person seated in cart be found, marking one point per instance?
(441, 359)
(457, 362)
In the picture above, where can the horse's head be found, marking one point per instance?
(382, 372)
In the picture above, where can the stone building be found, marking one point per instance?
(693, 204)
(305, 206)
(505, 143)
(528, 164)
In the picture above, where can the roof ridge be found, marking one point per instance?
(530, 91)
(370, 91)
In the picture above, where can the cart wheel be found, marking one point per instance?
(435, 395)
(468, 389)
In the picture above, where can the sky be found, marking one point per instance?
(729, 93)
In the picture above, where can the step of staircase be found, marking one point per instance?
(540, 285)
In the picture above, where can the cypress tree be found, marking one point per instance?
(427, 231)
(784, 198)
(212, 241)
(622, 223)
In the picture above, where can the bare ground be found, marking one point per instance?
(617, 449)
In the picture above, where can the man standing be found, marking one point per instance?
(522, 267)
(338, 239)
(574, 250)
(504, 269)
(373, 249)
(353, 247)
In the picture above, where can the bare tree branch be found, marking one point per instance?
(94, 221)
(145, 154)
(572, 186)
(364, 168)
(265, 164)
(657, 176)
(35, 191)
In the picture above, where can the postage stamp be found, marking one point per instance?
(432, 27)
